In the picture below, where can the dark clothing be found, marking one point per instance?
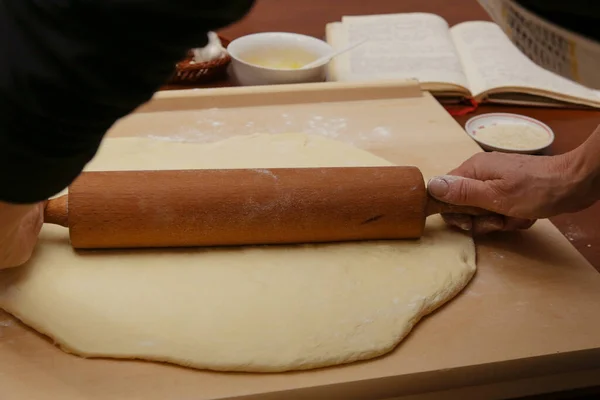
(70, 68)
(579, 16)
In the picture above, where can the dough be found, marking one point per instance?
(265, 308)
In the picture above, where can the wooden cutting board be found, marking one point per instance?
(528, 322)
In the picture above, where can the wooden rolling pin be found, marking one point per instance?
(245, 206)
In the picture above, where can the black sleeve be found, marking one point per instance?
(70, 68)
(579, 16)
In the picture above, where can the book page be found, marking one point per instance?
(491, 61)
(400, 46)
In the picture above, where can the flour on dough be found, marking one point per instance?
(265, 309)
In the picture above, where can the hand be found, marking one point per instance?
(20, 226)
(519, 188)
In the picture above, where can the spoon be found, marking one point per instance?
(328, 57)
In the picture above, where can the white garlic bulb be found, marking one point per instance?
(212, 51)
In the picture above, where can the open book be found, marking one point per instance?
(472, 60)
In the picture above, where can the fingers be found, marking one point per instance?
(481, 166)
(477, 225)
(513, 224)
(464, 192)
(461, 221)
(499, 223)
(487, 224)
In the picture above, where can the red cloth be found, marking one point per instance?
(469, 106)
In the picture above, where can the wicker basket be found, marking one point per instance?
(189, 73)
(550, 46)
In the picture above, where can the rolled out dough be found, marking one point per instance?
(259, 309)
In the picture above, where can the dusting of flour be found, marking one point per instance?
(215, 124)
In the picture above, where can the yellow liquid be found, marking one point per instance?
(277, 64)
(279, 58)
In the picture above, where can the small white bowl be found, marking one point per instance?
(277, 48)
(477, 124)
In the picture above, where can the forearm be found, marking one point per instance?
(580, 185)
(584, 167)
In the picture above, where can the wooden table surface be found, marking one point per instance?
(571, 127)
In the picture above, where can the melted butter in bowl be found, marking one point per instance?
(277, 58)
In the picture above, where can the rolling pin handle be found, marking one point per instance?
(57, 211)
(437, 207)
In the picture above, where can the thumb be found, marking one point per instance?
(461, 191)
